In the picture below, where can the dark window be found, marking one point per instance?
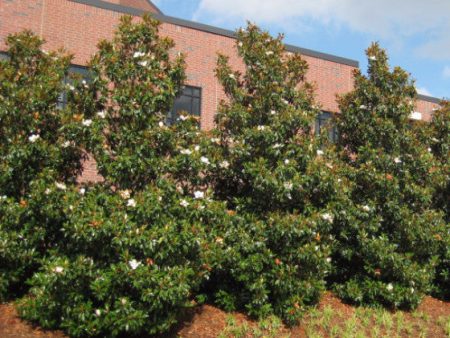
(73, 70)
(4, 56)
(325, 120)
(188, 101)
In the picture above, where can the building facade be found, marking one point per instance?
(78, 25)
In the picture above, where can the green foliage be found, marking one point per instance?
(125, 269)
(388, 237)
(133, 86)
(37, 148)
(32, 128)
(134, 248)
(253, 271)
(439, 141)
(274, 176)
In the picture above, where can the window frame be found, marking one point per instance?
(323, 121)
(172, 116)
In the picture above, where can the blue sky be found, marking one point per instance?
(416, 33)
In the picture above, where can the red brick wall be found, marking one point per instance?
(426, 108)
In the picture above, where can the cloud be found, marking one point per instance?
(387, 19)
(423, 91)
(446, 72)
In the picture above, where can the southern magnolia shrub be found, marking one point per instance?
(133, 86)
(37, 147)
(439, 141)
(273, 174)
(125, 267)
(134, 248)
(388, 237)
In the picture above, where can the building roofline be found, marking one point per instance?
(155, 7)
(210, 29)
(429, 98)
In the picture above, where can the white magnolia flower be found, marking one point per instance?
(288, 185)
(161, 124)
(319, 152)
(101, 114)
(224, 164)
(412, 290)
(327, 217)
(71, 207)
(131, 203)
(33, 138)
(373, 58)
(197, 148)
(429, 150)
(366, 208)
(47, 191)
(183, 117)
(286, 161)
(86, 123)
(277, 145)
(240, 44)
(82, 191)
(134, 264)
(143, 63)
(138, 54)
(269, 53)
(184, 203)
(434, 139)
(125, 194)
(186, 151)
(199, 194)
(273, 112)
(260, 128)
(285, 101)
(123, 301)
(215, 140)
(61, 186)
(204, 160)
(66, 144)
(362, 107)
(232, 76)
(72, 88)
(98, 312)
(390, 287)
(316, 248)
(4, 197)
(397, 160)
(328, 259)
(58, 269)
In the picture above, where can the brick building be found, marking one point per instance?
(77, 25)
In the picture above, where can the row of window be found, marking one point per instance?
(190, 101)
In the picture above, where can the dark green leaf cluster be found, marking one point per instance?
(388, 237)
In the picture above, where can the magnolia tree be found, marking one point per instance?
(271, 171)
(439, 142)
(38, 154)
(388, 236)
(136, 246)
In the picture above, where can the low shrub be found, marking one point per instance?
(124, 267)
(273, 266)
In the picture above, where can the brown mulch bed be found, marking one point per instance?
(208, 322)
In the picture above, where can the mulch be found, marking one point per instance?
(208, 322)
